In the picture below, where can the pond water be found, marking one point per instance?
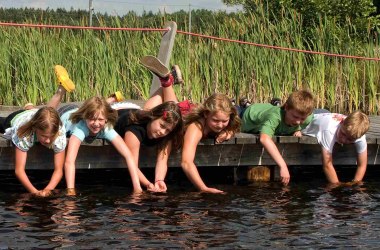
(104, 215)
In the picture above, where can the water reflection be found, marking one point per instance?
(302, 215)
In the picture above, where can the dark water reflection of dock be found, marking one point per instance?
(306, 214)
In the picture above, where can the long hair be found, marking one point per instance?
(92, 107)
(216, 102)
(170, 113)
(45, 119)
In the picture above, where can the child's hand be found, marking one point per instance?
(223, 136)
(297, 134)
(331, 186)
(151, 187)
(212, 190)
(137, 191)
(285, 176)
(44, 193)
(353, 182)
(161, 186)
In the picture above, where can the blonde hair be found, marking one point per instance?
(301, 101)
(91, 107)
(45, 119)
(216, 102)
(356, 124)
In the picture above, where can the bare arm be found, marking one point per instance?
(272, 150)
(20, 163)
(59, 160)
(122, 148)
(192, 137)
(362, 166)
(71, 156)
(162, 168)
(134, 145)
(328, 167)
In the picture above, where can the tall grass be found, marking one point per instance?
(101, 62)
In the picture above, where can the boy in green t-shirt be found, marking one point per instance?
(269, 120)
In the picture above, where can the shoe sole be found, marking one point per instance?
(63, 78)
(155, 66)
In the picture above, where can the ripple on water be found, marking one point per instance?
(264, 215)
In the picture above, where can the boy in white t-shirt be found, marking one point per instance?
(330, 128)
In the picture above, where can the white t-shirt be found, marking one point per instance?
(26, 142)
(325, 126)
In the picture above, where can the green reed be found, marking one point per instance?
(101, 62)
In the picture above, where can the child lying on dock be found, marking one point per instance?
(159, 123)
(93, 120)
(29, 126)
(216, 118)
(269, 120)
(331, 128)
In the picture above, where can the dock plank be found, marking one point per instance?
(241, 150)
(101, 154)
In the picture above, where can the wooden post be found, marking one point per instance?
(166, 47)
(90, 10)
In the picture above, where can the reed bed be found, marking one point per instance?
(101, 62)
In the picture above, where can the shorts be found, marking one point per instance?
(66, 108)
(5, 122)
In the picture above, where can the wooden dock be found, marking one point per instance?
(242, 150)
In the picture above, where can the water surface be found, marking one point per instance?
(105, 215)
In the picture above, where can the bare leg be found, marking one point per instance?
(163, 94)
(29, 106)
(111, 100)
(115, 97)
(167, 77)
(166, 94)
(57, 97)
(64, 85)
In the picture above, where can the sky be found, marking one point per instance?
(121, 7)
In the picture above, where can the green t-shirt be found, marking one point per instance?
(264, 118)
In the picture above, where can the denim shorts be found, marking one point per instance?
(66, 108)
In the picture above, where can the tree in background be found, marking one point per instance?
(361, 14)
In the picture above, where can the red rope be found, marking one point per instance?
(280, 48)
(76, 27)
(192, 34)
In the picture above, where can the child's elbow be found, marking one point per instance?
(185, 165)
(264, 138)
(19, 172)
(59, 173)
(69, 164)
(328, 167)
